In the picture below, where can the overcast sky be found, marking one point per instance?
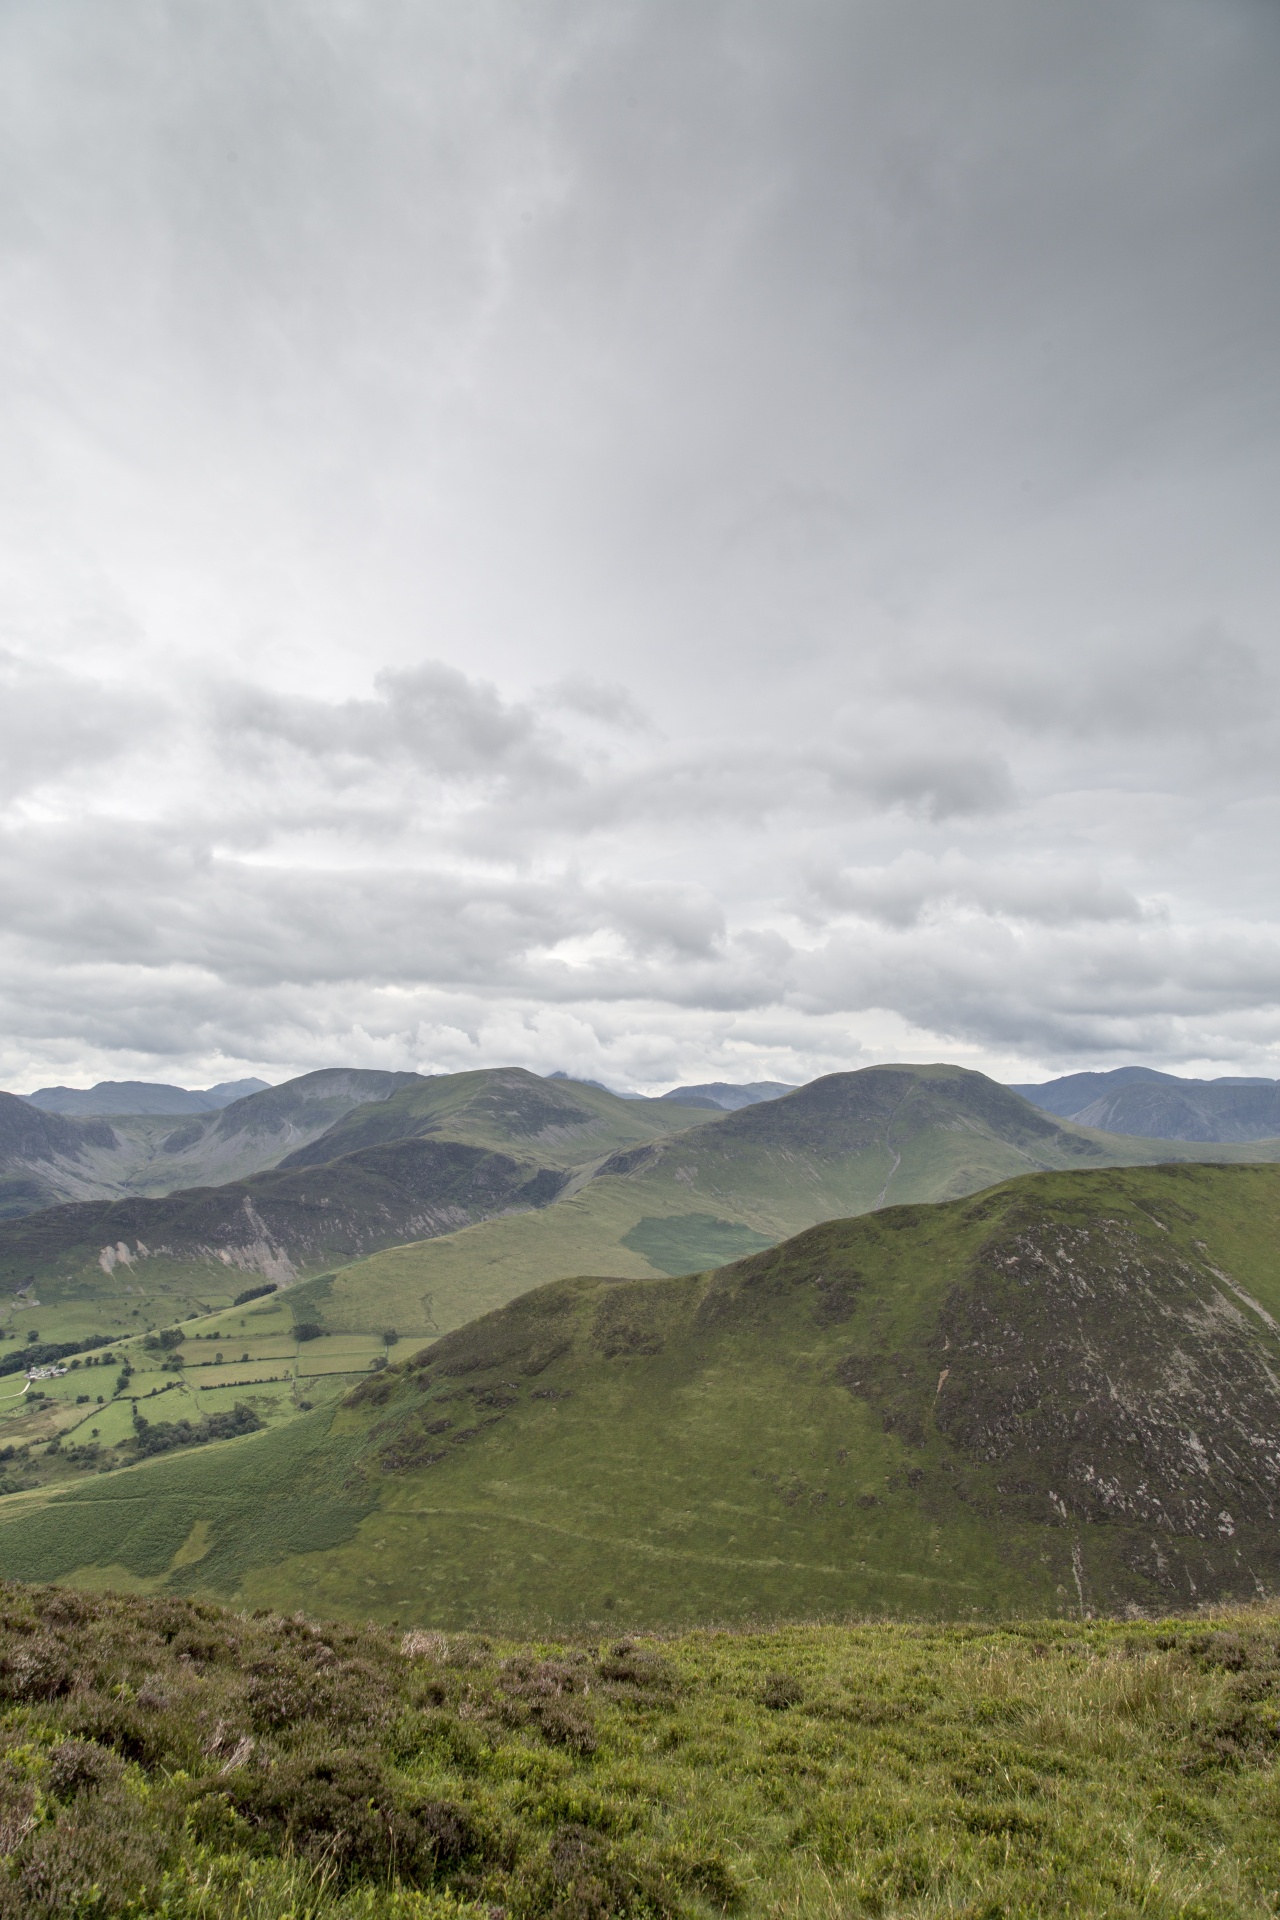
(670, 540)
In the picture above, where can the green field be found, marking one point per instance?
(872, 1419)
(247, 1356)
(212, 1766)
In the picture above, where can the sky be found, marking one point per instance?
(665, 541)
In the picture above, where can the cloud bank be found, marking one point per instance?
(665, 543)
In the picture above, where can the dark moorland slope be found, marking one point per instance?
(290, 1220)
(1060, 1395)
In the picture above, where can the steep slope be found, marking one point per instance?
(429, 1166)
(49, 1158)
(41, 1153)
(140, 1096)
(423, 1233)
(1140, 1101)
(1061, 1396)
(566, 1123)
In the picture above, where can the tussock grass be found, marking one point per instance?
(159, 1756)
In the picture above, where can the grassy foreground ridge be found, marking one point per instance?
(164, 1757)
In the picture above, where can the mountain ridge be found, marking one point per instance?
(1151, 1105)
(141, 1096)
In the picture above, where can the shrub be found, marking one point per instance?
(341, 1809)
(80, 1766)
(781, 1690)
(165, 1340)
(254, 1293)
(35, 1669)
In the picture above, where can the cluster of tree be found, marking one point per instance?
(46, 1353)
(149, 1439)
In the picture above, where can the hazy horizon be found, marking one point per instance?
(675, 544)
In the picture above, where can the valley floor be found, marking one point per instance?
(163, 1757)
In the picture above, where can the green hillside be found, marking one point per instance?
(47, 1158)
(169, 1759)
(1059, 1397)
(845, 1144)
(668, 1203)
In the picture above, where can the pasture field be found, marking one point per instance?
(56, 1432)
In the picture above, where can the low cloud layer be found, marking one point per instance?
(665, 545)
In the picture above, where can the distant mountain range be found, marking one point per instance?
(721, 1096)
(140, 1096)
(46, 1158)
(416, 1203)
(56, 1146)
(1163, 1106)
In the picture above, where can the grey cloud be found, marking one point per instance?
(449, 725)
(1201, 684)
(53, 723)
(915, 885)
(644, 533)
(457, 731)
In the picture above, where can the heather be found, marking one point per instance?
(163, 1756)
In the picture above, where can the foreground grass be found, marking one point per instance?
(162, 1757)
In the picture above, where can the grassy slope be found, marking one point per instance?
(697, 1449)
(208, 1766)
(666, 1190)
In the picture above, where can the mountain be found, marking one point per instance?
(494, 1184)
(280, 1222)
(565, 1123)
(1142, 1102)
(48, 1157)
(728, 1098)
(140, 1096)
(1061, 1395)
(845, 1144)
(36, 1149)
(390, 1158)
